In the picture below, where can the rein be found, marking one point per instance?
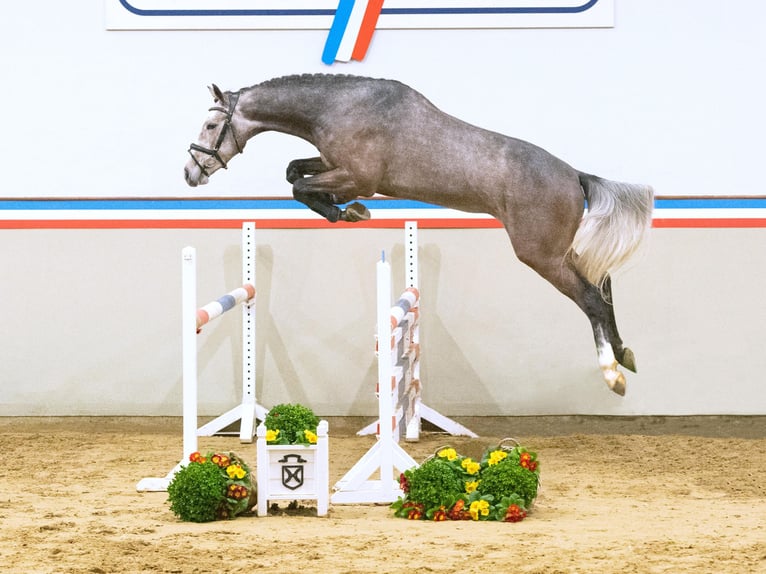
(227, 125)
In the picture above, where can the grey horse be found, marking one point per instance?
(379, 136)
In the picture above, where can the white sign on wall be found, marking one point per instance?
(319, 14)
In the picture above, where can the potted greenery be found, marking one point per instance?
(291, 424)
(292, 458)
(212, 487)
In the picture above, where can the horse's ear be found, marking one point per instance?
(216, 93)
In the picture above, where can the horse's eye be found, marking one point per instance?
(210, 126)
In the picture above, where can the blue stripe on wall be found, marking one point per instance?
(53, 204)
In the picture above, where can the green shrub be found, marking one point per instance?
(197, 491)
(435, 483)
(291, 421)
(211, 487)
(507, 477)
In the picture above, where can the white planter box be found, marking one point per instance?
(293, 471)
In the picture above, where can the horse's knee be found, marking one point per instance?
(292, 173)
(299, 168)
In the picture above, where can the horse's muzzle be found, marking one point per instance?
(194, 176)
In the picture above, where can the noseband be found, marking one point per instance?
(233, 99)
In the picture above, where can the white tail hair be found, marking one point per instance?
(618, 217)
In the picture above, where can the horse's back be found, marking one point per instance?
(396, 139)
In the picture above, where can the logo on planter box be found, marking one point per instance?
(292, 470)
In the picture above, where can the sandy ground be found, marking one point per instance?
(618, 495)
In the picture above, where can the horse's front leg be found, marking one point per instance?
(299, 168)
(323, 191)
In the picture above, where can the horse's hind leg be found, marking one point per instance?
(556, 266)
(623, 354)
(598, 306)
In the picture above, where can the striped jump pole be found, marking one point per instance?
(404, 370)
(216, 308)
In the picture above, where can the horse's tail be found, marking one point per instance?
(618, 217)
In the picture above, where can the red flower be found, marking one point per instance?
(221, 460)
(237, 492)
(514, 514)
(415, 511)
(525, 460)
(458, 511)
(404, 484)
(196, 457)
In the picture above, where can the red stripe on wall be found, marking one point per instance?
(428, 223)
(237, 223)
(741, 222)
(367, 29)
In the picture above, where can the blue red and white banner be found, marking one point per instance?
(320, 14)
(283, 213)
(351, 23)
(351, 30)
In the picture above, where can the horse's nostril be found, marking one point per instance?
(186, 173)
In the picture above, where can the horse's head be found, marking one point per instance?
(218, 141)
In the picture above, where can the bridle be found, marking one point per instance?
(233, 99)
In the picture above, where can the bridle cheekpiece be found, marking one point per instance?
(227, 126)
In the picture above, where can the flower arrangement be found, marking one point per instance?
(291, 424)
(501, 486)
(212, 487)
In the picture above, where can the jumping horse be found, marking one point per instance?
(379, 136)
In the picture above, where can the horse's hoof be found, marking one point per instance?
(628, 360)
(618, 385)
(355, 212)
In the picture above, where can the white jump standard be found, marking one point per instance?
(398, 389)
(385, 455)
(405, 326)
(193, 319)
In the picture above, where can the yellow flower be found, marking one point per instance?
(448, 453)
(310, 436)
(235, 471)
(471, 466)
(272, 435)
(496, 456)
(479, 507)
(471, 486)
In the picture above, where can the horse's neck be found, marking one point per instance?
(282, 109)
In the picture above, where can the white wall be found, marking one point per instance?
(91, 324)
(672, 95)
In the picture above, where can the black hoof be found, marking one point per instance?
(355, 212)
(628, 360)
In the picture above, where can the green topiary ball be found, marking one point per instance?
(507, 477)
(197, 491)
(291, 421)
(435, 483)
